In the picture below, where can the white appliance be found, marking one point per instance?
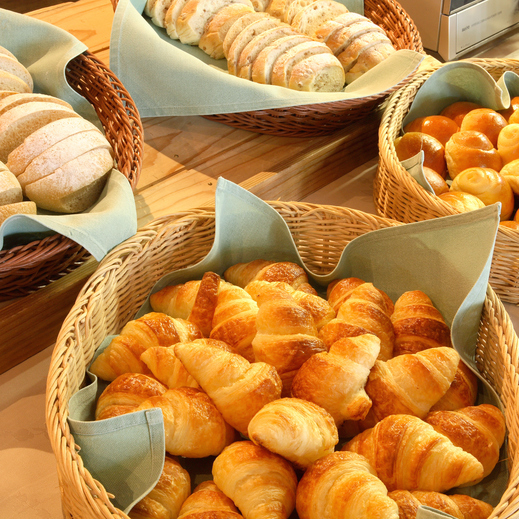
(451, 28)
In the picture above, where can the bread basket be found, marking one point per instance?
(325, 118)
(115, 292)
(25, 268)
(398, 196)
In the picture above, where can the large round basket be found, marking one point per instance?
(27, 267)
(398, 196)
(326, 118)
(117, 289)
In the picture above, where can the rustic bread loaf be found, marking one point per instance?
(317, 73)
(211, 41)
(311, 17)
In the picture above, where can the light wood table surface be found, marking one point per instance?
(183, 157)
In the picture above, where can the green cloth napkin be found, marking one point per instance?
(45, 50)
(457, 81)
(168, 78)
(448, 258)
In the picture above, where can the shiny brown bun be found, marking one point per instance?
(436, 181)
(508, 143)
(411, 143)
(510, 172)
(489, 186)
(461, 201)
(438, 126)
(507, 112)
(458, 110)
(467, 149)
(512, 224)
(484, 120)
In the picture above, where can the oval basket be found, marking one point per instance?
(325, 118)
(398, 196)
(123, 279)
(26, 268)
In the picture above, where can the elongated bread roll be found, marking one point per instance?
(312, 16)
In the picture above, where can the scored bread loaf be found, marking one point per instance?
(317, 73)
(311, 17)
(238, 26)
(211, 40)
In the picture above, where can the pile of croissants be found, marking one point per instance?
(257, 370)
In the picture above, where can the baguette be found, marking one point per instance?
(312, 16)
(318, 73)
(342, 38)
(6, 52)
(237, 27)
(349, 56)
(292, 8)
(327, 28)
(157, 11)
(170, 20)
(368, 59)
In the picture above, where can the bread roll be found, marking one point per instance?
(412, 143)
(318, 73)
(309, 19)
(469, 149)
(458, 110)
(10, 189)
(368, 59)
(507, 112)
(17, 208)
(439, 126)
(508, 143)
(461, 201)
(510, 172)
(170, 20)
(514, 118)
(489, 186)
(484, 120)
(238, 26)
(328, 28)
(436, 181)
(511, 224)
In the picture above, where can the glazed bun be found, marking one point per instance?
(457, 111)
(462, 202)
(439, 126)
(507, 112)
(508, 143)
(436, 181)
(412, 143)
(468, 149)
(489, 186)
(510, 172)
(484, 120)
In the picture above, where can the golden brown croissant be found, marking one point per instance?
(296, 429)
(242, 274)
(366, 309)
(462, 392)
(335, 380)
(411, 383)
(261, 484)
(125, 394)
(234, 320)
(457, 505)
(340, 290)
(343, 484)
(408, 454)
(208, 502)
(478, 429)
(194, 301)
(286, 337)
(167, 368)
(166, 497)
(237, 387)
(418, 324)
(321, 310)
(123, 354)
(194, 428)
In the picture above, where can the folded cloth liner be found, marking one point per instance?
(457, 81)
(168, 78)
(46, 50)
(448, 258)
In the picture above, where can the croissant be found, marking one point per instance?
(166, 497)
(462, 392)
(335, 380)
(343, 485)
(296, 429)
(286, 337)
(194, 301)
(194, 428)
(479, 430)
(261, 484)
(125, 394)
(208, 502)
(167, 368)
(234, 320)
(321, 310)
(242, 274)
(408, 454)
(340, 290)
(238, 388)
(411, 383)
(418, 324)
(123, 354)
(366, 309)
(457, 505)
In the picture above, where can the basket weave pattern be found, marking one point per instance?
(398, 196)
(124, 278)
(26, 268)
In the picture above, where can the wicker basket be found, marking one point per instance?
(398, 196)
(25, 268)
(325, 118)
(123, 279)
